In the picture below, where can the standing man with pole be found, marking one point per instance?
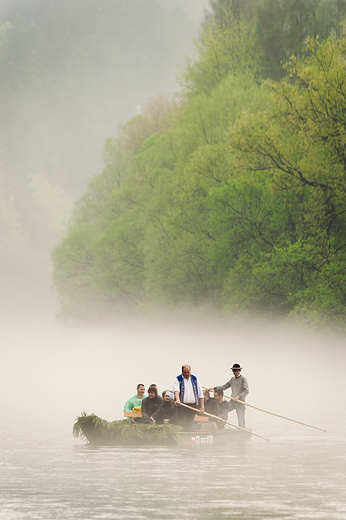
(187, 390)
(240, 389)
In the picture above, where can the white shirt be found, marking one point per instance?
(189, 395)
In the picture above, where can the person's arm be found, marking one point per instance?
(245, 390)
(215, 408)
(176, 389)
(200, 395)
(128, 405)
(144, 408)
(223, 387)
(171, 416)
(223, 413)
(157, 412)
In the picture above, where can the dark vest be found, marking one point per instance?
(182, 389)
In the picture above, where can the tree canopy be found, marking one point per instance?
(230, 197)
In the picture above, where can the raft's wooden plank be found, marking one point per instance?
(201, 418)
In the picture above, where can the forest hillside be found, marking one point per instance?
(231, 195)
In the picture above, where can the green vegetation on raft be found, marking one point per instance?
(93, 428)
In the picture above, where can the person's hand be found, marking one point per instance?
(201, 409)
(177, 401)
(211, 389)
(153, 420)
(235, 398)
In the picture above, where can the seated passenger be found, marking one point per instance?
(169, 410)
(210, 405)
(136, 400)
(151, 406)
(223, 407)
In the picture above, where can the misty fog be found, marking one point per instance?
(56, 114)
(52, 372)
(72, 76)
(48, 370)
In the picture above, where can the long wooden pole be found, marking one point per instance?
(223, 420)
(271, 413)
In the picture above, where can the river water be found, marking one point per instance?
(49, 376)
(46, 474)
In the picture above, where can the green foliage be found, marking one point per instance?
(126, 432)
(300, 144)
(284, 25)
(110, 223)
(232, 200)
(227, 47)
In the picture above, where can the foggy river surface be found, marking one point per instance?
(49, 375)
(46, 474)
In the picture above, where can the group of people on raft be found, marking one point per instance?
(188, 398)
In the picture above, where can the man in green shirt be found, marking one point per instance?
(136, 400)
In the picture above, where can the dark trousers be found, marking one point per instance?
(185, 416)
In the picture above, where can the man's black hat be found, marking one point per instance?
(236, 366)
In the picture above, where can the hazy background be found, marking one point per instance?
(58, 112)
(71, 73)
(49, 372)
(58, 104)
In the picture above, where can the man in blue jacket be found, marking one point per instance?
(188, 390)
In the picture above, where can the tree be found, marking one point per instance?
(225, 47)
(284, 25)
(301, 144)
(103, 252)
(234, 199)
